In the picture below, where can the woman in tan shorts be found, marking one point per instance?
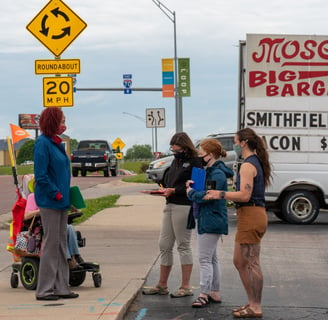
(254, 175)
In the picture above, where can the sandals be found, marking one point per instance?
(240, 308)
(211, 299)
(155, 290)
(182, 292)
(200, 302)
(247, 313)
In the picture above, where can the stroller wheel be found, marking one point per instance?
(14, 280)
(96, 279)
(76, 277)
(29, 273)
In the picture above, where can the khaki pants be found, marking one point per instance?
(174, 229)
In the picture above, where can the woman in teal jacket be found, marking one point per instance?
(52, 177)
(212, 220)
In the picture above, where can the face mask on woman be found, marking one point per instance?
(61, 129)
(180, 155)
(204, 162)
(237, 148)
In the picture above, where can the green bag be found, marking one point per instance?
(76, 198)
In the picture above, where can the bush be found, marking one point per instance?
(144, 167)
(135, 166)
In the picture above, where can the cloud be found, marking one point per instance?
(132, 37)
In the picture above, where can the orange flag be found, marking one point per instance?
(17, 133)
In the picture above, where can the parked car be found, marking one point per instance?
(158, 168)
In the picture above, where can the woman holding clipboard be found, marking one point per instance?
(212, 220)
(175, 217)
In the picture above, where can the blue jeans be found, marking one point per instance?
(72, 245)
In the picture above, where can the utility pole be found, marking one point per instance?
(178, 100)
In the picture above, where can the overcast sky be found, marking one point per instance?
(132, 37)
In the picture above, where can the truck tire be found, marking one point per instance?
(83, 172)
(113, 172)
(279, 215)
(75, 172)
(106, 173)
(300, 207)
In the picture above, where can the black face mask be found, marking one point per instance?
(180, 155)
(204, 163)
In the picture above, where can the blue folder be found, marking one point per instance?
(198, 175)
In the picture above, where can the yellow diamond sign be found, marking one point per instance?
(118, 143)
(56, 26)
(119, 155)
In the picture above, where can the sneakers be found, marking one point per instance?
(52, 297)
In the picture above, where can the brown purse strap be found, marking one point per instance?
(31, 225)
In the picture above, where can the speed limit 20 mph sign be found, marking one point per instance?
(58, 92)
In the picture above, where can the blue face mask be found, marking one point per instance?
(237, 148)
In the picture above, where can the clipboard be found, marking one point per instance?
(198, 175)
(153, 192)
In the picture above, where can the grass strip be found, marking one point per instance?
(95, 205)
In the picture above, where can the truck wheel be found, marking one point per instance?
(106, 173)
(75, 172)
(300, 207)
(83, 172)
(113, 172)
(279, 215)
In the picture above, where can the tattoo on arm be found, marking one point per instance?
(248, 187)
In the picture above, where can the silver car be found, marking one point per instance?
(158, 168)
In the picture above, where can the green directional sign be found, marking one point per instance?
(184, 77)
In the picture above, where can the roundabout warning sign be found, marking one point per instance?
(56, 26)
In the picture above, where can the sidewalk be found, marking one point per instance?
(123, 240)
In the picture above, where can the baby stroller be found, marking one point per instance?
(27, 252)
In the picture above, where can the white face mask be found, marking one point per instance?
(237, 148)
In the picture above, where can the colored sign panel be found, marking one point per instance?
(184, 77)
(58, 92)
(168, 78)
(60, 66)
(118, 143)
(56, 26)
(167, 64)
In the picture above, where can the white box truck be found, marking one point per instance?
(283, 96)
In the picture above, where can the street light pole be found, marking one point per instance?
(178, 101)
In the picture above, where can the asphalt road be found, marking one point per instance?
(295, 267)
